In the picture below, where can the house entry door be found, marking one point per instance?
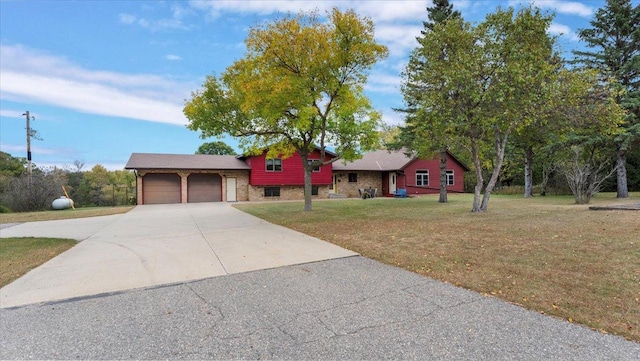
(334, 184)
(392, 182)
(231, 190)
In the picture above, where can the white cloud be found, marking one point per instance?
(18, 150)
(28, 75)
(127, 19)
(173, 23)
(563, 30)
(173, 57)
(380, 82)
(12, 113)
(380, 11)
(215, 9)
(391, 11)
(391, 117)
(400, 39)
(397, 22)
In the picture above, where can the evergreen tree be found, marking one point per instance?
(440, 12)
(614, 38)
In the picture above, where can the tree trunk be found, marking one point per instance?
(479, 180)
(307, 180)
(547, 169)
(528, 171)
(500, 145)
(443, 176)
(621, 171)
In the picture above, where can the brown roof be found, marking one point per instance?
(184, 161)
(380, 160)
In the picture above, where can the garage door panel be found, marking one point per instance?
(204, 188)
(161, 188)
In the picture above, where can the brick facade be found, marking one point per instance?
(365, 179)
(242, 182)
(256, 193)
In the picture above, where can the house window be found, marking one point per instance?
(422, 178)
(353, 177)
(274, 165)
(315, 169)
(314, 190)
(272, 191)
(450, 180)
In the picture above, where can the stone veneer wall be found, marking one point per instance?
(256, 193)
(242, 184)
(242, 181)
(366, 179)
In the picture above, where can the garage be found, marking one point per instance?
(161, 188)
(204, 187)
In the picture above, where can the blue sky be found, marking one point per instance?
(104, 79)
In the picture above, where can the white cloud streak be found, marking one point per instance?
(28, 75)
(173, 57)
(563, 30)
(174, 23)
(397, 22)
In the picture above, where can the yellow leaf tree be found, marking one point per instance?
(300, 86)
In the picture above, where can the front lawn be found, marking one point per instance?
(20, 217)
(20, 255)
(546, 253)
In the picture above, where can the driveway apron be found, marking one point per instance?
(158, 244)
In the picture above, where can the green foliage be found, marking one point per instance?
(413, 90)
(473, 85)
(100, 187)
(440, 12)
(11, 166)
(614, 40)
(97, 187)
(215, 148)
(299, 86)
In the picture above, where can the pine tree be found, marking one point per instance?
(614, 37)
(440, 12)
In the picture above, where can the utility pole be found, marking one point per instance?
(31, 133)
(28, 145)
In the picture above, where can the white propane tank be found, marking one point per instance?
(62, 203)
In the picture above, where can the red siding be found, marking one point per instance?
(401, 181)
(292, 173)
(433, 166)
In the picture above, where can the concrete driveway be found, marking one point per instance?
(158, 244)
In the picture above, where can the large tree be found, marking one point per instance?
(300, 87)
(478, 85)
(412, 89)
(215, 148)
(614, 38)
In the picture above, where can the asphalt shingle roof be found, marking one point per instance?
(380, 160)
(184, 161)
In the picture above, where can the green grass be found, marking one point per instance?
(20, 255)
(546, 253)
(61, 214)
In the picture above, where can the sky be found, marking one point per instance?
(104, 79)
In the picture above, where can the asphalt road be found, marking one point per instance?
(348, 308)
